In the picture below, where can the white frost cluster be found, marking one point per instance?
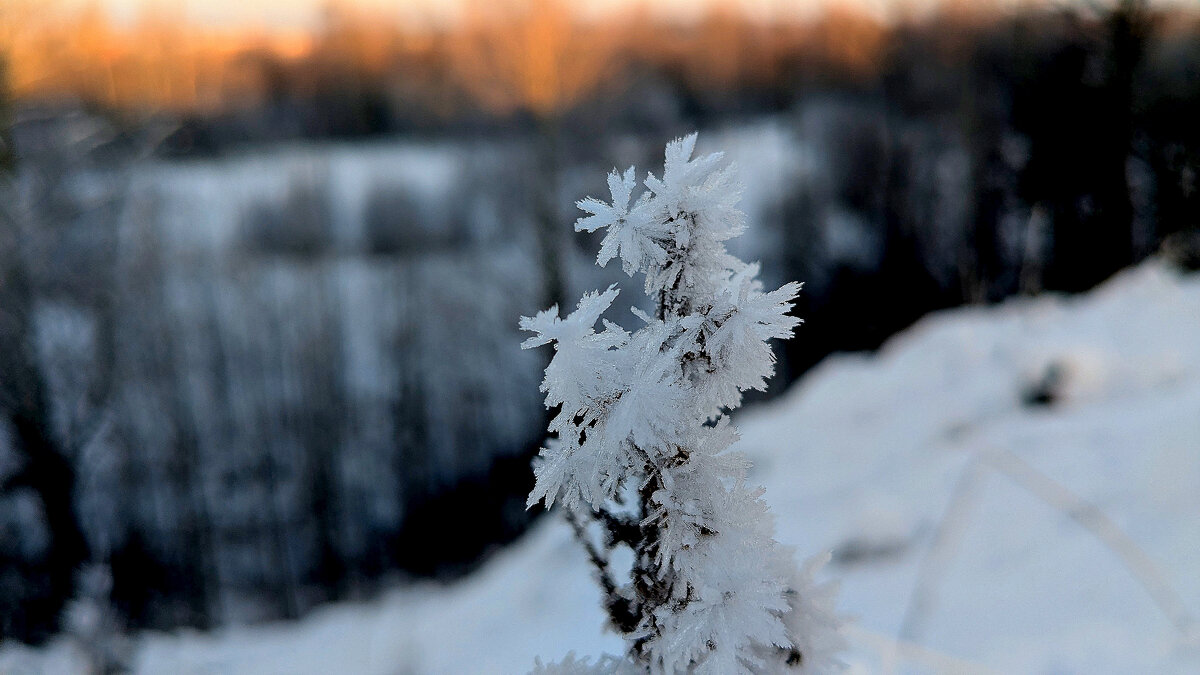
(641, 442)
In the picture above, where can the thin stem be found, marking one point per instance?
(619, 608)
(598, 561)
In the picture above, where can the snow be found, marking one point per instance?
(1042, 538)
(866, 453)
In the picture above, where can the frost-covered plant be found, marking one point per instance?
(639, 454)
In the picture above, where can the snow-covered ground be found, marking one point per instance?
(987, 531)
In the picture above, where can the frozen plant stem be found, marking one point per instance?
(639, 454)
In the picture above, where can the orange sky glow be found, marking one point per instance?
(304, 14)
(504, 54)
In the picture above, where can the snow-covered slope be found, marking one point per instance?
(925, 467)
(1012, 488)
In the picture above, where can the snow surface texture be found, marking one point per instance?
(867, 456)
(640, 445)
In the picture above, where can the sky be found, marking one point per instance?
(301, 14)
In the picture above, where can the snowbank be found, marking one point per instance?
(953, 498)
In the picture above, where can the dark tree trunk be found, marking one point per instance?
(45, 468)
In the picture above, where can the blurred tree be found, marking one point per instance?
(7, 156)
(37, 586)
(1168, 137)
(534, 57)
(1075, 103)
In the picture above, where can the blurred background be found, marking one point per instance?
(261, 262)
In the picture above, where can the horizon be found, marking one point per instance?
(305, 15)
(163, 55)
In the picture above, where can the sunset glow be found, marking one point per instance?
(535, 55)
